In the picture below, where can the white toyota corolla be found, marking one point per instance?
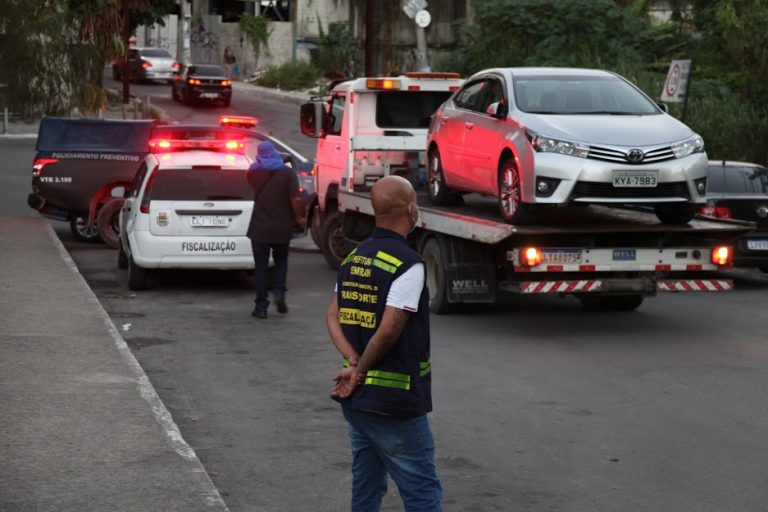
(189, 206)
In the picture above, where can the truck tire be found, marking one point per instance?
(315, 228)
(82, 231)
(675, 213)
(122, 257)
(109, 222)
(510, 197)
(333, 244)
(437, 281)
(439, 193)
(138, 277)
(592, 302)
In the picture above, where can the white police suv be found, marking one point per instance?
(189, 206)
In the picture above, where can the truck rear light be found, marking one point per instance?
(722, 255)
(146, 199)
(238, 121)
(414, 87)
(530, 257)
(39, 163)
(382, 83)
(453, 88)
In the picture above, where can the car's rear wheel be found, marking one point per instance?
(510, 197)
(675, 213)
(439, 192)
(138, 277)
(109, 222)
(82, 231)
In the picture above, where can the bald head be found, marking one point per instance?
(392, 197)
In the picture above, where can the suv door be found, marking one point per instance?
(333, 148)
(483, 135)
(457, 116)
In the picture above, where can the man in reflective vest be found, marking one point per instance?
(379, 321)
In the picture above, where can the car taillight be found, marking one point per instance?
(722, 255)
(530, 256)
(39, 163)
(146, 64)
(233, 145)
(146, 198)
(194, 81)
(720, 212)
(175, 65)
(169, 145)
(226, 82)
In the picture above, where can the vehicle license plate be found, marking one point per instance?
(209, 95)
(647, 179)
(209, 221)
(624, 254)
(164, 75)
(757, 245)
(561, 256)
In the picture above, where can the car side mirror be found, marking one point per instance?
(497, 110)
(664, 107)
(314, 119)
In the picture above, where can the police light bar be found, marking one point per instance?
(170, 145)
(238, 121)
(382, 83)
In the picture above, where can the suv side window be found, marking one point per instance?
(470, 97)
(494, 94)
(336, 115)
(138, 180)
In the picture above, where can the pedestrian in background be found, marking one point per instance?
(379, 321)
(277, 208)
(230, 62)
(350, 71)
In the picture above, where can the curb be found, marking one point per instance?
(297, 98)
(147, 391)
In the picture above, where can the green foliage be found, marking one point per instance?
(336, 48)
(257, 30)
(291, 76)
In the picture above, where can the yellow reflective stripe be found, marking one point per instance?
(346, 363)
(389, 375)
(349, 256)
(425, 364)
(384, 266)
(388, 258)
(349, 316)
(425, 369)
(372, 381)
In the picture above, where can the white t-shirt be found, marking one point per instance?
(405, 291)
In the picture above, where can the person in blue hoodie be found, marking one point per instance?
(277, 208)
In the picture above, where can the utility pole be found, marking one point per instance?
(186, 22)
(370, 23)
(126, 43)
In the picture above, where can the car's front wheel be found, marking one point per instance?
(675, 213)
(510, 197)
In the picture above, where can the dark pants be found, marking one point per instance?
(261, 271)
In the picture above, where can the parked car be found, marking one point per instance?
(147, 64)
(553, 136)
(202, 82)
(739, 190)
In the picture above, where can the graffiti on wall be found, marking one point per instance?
(204, 38)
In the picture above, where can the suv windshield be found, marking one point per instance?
(206, 71)
(202, 185)
(156, 52)
(408, 109)
(573, 94)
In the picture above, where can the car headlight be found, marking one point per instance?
(689, 146)
(544, 144)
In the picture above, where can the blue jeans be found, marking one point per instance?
(401, 447)
(261, 271)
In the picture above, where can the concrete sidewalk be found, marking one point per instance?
(81, 427)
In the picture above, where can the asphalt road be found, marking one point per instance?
(539, 405)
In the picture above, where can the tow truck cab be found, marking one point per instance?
(368, 128)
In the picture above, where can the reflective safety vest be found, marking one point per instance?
(399, 384)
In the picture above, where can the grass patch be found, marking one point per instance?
(291, 76)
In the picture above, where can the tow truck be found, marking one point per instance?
(609, 257)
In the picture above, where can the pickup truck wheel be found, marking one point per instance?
(675, 213)
(109, 222)
(82, 231)
(611, 302)
(437, 281)
(439, 193)
(138, 277)
(510, 198)
(333, 244)
(122, 257)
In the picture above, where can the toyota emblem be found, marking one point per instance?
(763, 211)
(635, 156)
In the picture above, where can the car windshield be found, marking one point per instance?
(207, 71)
(156, 52)
(733, 179)
(202, 185)
(407, 109)
(573, 94)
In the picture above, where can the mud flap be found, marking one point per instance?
(470, 272)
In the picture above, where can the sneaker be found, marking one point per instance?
(259, 313)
